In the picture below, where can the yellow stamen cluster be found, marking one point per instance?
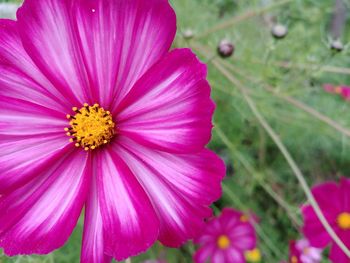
(90, 127)
(223, 242)
(337, 90)
(244, 218)
(294, 259)
(306, 250)
(253, 255)
(343, 221)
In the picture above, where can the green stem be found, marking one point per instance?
(302, 67)
(287, 156)
(240, 18)
(295, 103)
(296, 221)
(258, 229)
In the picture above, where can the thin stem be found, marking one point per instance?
(259, 230)
(279, 200)
(286, 98)
(339, 19)
(240, 18)
(295, 102)
(288, 65)
(286, 155)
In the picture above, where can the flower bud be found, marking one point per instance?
(337, 45)
(225, 48)
(188, 34)
(279, 31)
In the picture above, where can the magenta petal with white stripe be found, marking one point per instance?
(175, 184)
(30, 139)
(22, 159)
(170, 108)
(95, 110)
(40, 216)
(120, 40)
(130, 223)
(19, 76)
(48, 35)
(93, 244)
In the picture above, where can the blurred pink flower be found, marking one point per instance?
(253, 256)
(226, 238)
(136, 158)
(301, 252)
(334, 201)
(344, 91)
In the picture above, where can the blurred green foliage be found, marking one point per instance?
(259, 179)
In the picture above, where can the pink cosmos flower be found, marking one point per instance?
(343, 90)
(253, 256)
(226, 238)
(134, 156)
(334, 201)
(301, 252)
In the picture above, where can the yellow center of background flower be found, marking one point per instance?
(253, 255)
(91, 127)
(306, 250)
(337, 90)
(294, 259)
(223, 242)
(343, 221)
(244, 218)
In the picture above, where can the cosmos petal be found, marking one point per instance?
(203, 254)
(337, 255)
(218, 256)
(175, 184)
(234, 255)
(314, 230)
(78, 45)
(170, 108)
(19, 76)
(93, 243)
(25, 158)
(31, 140)
(243, 237)
(120, 41)
(40, 216)
(48, 35)
(20, 118)
(327, 196)
(345, 194)
(130, 223)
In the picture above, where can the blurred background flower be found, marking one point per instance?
(301, 251)
(334, 202)
(229, 237)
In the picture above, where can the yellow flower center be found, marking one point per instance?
(90, 127)
(244, 218)
(294, 259)
(337, 90)
(343, 221)
(306, 250)
(223, 242)
(253, 255)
